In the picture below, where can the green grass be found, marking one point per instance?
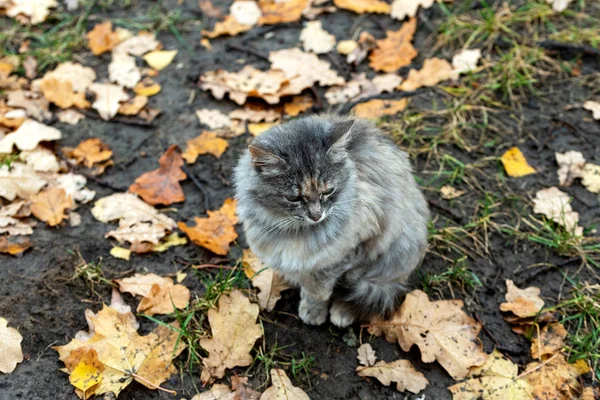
(91, 274)
(458, 275)
(578, 36)
(8, 159)
(299, 366)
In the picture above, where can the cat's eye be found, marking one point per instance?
(293, 199)
(328, 192)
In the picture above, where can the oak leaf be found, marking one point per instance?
(400, 371)
(363, 6)
(396, 50)
(229, 26)
(440, 329)
(215, 232)
(378, 108)
(79, 76)
(434, 71)
(555, 378)
(14, 245)
(108, 97)
(366, 355)
(315, 39)
(35, 12)
(50, 205)
(522, 302)
(266, 280)
(401, 9)
(20, 180)
(206, 143)
(91, 152)
(61, 93)
(28, 136)
(33, 102)
(102, 38)
(590, 177)
(160, 59)
(281, 12)
(234, 331)
(10, 345)
(160, 295)
(515, 164)
(549, 341)
(555, 205)
(570, 167)
(282, 388)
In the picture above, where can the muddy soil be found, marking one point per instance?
(39, 297)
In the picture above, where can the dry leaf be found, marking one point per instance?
(594, 107)
(360, 87)
(264, 279)
(161, 186)
(124, 354)
(70, 117)
(363, 6)
(396, 50)
(79, 76)
(170, 241)
(366, 355)
(160, 59)
(570, 167)
(28, 136)
(256, 114)
(440, 329)
(494, 380)
(147, 87)
(138, 222)
(522, 302)
(40, 159)
(591, 177)
(549, 342)
(61, 93)
(10, 347)
(14, 245)
(281, 12)
(515, 164)
(123, 71)
(216, 392)
(74, 186)
(448, 192)
(408, 8)
(9, 222)
(206, 143)
(434, 71)
(559, 5)
(215, 232)
(137, 45)
(260, 127)
(282, 388)
(50, 205)
(209, 9)
(590, 393)
(91, 152)
(346, 47)
(214, 119)
(133, 106)
(35, 11)
(298, 105)
(20, 180)
(108, 97)
(366, 43)
(400, 371)
(315, 39)
(311, 12)
(557, 379)
(555, 204)
(229, 26)
(121, 253)
(465, 60)
(102, 38)
(159, 294)
(234, 331)
(245, 12)
(33, 102)
(30, 66)
(378, 108)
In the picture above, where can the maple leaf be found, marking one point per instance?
(61, 93)
(363, 6)
(161, 186)
(14, 245)
(515, 164)
(229, 26)
(234, 331)
(549, 341)
(35, 11)
(79, 76)
(91, 152)
(396, 50)
(10, 347)
(215, 232)
(298, 105)
(555, 378)
(50, 205)
(282, 388)
(102, 38)
(160, 295)
(160, 59)
(378, 108)
(495, 380)
(85, 370)
(265, 279)
(20, 180)
(522, 302)
(124, 354)
(108, 97)
(590, 177)
(315, 39)
(401, 9)
(281, 12)
(555, 204)
(133, 106)
(434, 71)
(206, 143)
(570, 166)
(440, 329)
(138, 221)
(28, 136)
(123, 71)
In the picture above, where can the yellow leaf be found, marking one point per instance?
(522, 302)
(160, 59)
(363, 6)
(396, 50)
(265, 279)
(146, 87)
(120, 252)
(160, 295)
(378, 108)
(170, 241)
(555, 378)
(102, 38)
(50, 205)
(259, 127)
(550, 341)
(515, 163)
(88, 371)
(206, 143)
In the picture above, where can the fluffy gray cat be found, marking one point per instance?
(330, 203)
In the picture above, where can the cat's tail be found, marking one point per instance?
(375, 297)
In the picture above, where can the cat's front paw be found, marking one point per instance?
(341, 315)
(312, 313)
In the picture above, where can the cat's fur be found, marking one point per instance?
(371, 232)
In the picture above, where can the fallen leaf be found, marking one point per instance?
(282, 388)
(555, 205)
(87, 373)
(497, 379)
(269, 283)
(216, 392)
(120, 252)
(35, 11)
(556, 379)
(400, 371)
(209, 9)
(378, 108)
(108, 97)
(440, 329)
(138, 222)
(594, 107)
(10, 346)
(549, 341)
(396, 50)
(360, 87)
(161, 186)
(12, 118)
(50, 206)
(363, 6)
(28, 136)
(61, 93)
(79, 76)
(298, 105)
(448, 192)
(20, 180)
(215, 232)
(91, 152)
(366, 355)
(408, 8)
(102, 38)
(315, 8)
(124, 354)
(590, 177)
(70, 117)
(160, 59)
(559, 5)
(30, 66)
(245, 12)
(346, 47)
(256, 114)
(74, 186)
(40, 159)
(15, 246)
(170, 241)
(159, 294)
(213, 119)
(133, 106)
(281, 12)
(590, 393)
(234, 331)
(465, 60)
(10, 216)
(137, 45)
(146, 87)
(206, 143)
(570, 167)
(434, 71)
(123, 71)
(315, 39)
(260, 127)
(515, 164)
(33, 102)
(229, 26)
(522, 302)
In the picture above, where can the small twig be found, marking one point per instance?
(120, 120)
(198, 185)
(537, 368)
(152, 384)
(247, 49)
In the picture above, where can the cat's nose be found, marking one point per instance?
(315, 217)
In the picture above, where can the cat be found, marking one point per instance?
(330, 203)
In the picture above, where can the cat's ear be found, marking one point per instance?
(264, 160)
(341, 133)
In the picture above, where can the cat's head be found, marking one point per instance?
(304, 173)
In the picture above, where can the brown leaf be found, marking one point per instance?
(209, 9)
(363, 6)
(282, 388)
(159, 294)
(50, 205)
(298, 105)
(281, 12)
(10, 346)
(265, 279)
(550, 341)
(396, 50)
(133, 106)
(440, 329)
(556, 379)
(206, 143)
(434, 71)
(378, 108)
(522, 302)
(215, 232)
(61, 93)
(229, 26)
(400, 371)
(102, 38)
(92, 153)
(14, 245)
(234, 331)
(161, 186)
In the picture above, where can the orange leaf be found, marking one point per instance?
(206, 143)
(102, 38)
(14, 245)
(215, 232)
(363, 6)
(146, 87)
(378, 108)
(434, 71)
(396, 50)
(133, 106)
(298, 105)
(61, 93)
(229, 26)
(50, 205)
(161, 186)
(280, 12)
(91, 151)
